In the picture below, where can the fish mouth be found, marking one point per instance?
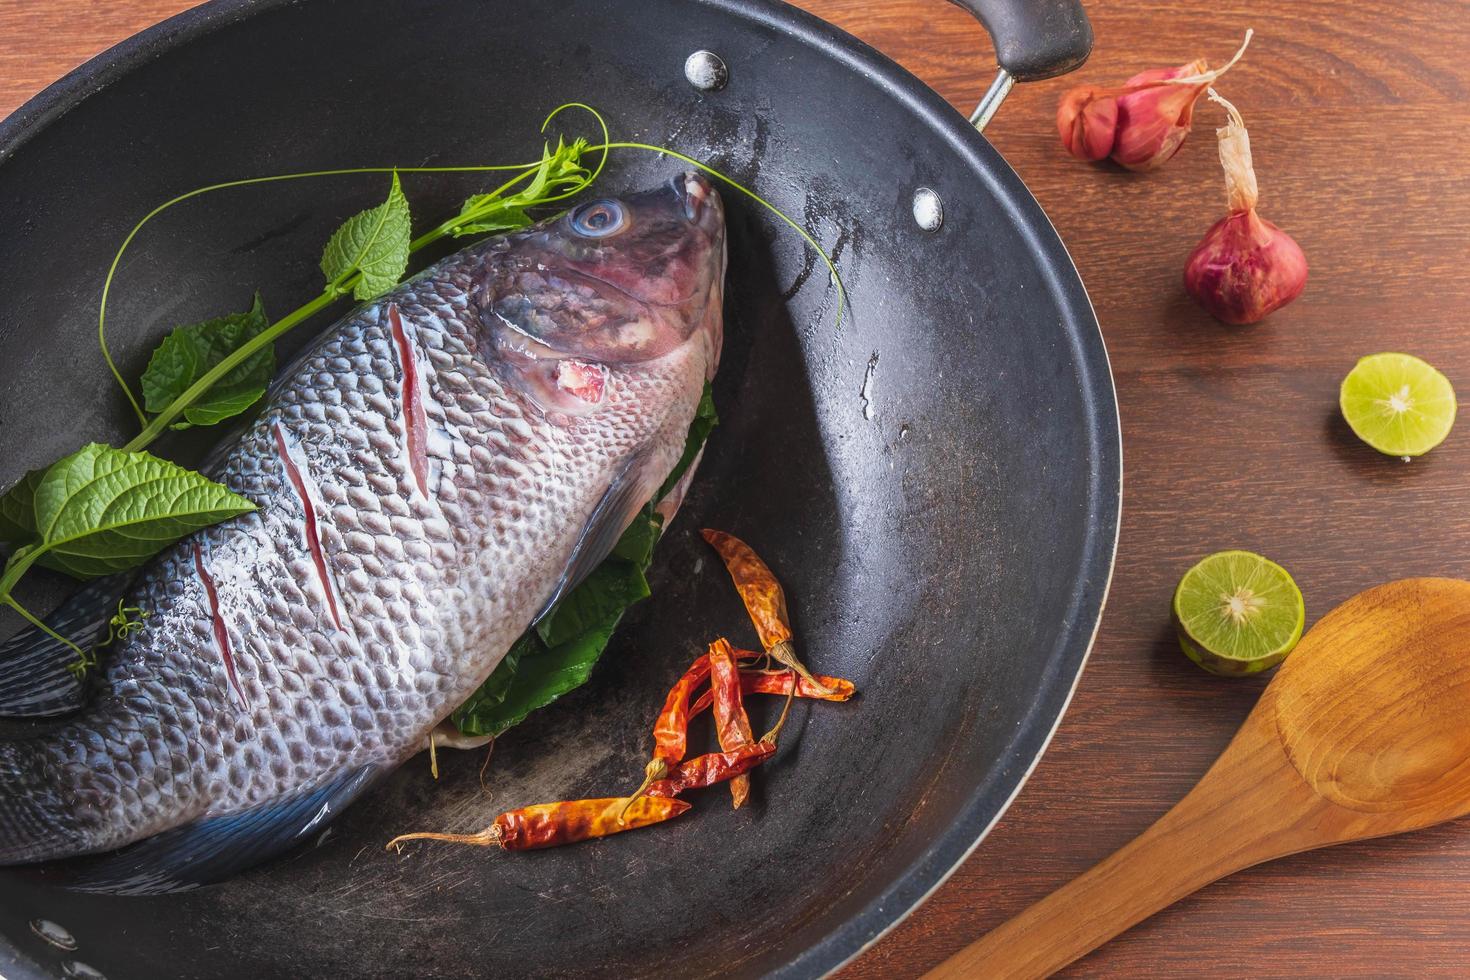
(702, 206)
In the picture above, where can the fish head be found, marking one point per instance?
(618, 288)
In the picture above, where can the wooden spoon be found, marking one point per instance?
(1364, 732)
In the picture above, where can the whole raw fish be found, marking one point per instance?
(430, 475)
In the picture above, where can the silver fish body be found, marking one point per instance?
(425, 475)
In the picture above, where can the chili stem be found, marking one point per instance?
(770, 736)
(655, 770)
(490, 835)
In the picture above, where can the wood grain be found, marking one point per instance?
(1362, 734)
(1359, 121)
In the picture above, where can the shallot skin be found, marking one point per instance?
(1154, 117)
(1142, 123)
(1087, 120)
(1245, 268)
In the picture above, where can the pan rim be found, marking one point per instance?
(878, 918)
(983, 809)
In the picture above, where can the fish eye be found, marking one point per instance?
(599, 219)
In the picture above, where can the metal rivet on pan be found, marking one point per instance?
(53, 934)
(706, 71)
(928, 209)
(81, 971)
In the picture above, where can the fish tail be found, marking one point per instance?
(34, 825)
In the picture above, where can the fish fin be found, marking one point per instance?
(620, 503)
(34, 681)
(214, 848)
(446, 735)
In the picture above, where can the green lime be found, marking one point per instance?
(1238, 613)
(1398, 404)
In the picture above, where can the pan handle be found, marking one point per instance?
(1034, 39)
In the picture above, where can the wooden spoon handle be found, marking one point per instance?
(1250, 807)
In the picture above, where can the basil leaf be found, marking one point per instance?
(541, 677)
(189, 351)
(612, 587)
(101, 510)
(373, 243)
(18, 510)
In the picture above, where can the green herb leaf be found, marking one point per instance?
(558, 655)
(612, 587)
(705, 420)
(636, 544)
(535, 673)
(373, 243)
(560, 173)
(473, 717)
(101, 510)
(18, 510)
(491, 219)
(541, 676)
(189, 351)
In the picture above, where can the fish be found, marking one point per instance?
(431, 474)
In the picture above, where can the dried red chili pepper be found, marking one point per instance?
(779, 682)
(732, 725)
(671, 729)
(764, 598)
(716, 767)
(553, 824)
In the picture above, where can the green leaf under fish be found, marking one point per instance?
(557, 656)
(612, 587)
(705, 420)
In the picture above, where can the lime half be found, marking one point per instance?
(1238, 613)
(1398, 404)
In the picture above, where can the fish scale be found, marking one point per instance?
(242, 690)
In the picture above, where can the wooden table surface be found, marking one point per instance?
(1359, 122)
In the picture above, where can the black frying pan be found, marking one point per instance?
(950, 553)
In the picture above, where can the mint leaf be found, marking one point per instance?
(374, 243)
(101, 510)
(18, 510)
(189, 351)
